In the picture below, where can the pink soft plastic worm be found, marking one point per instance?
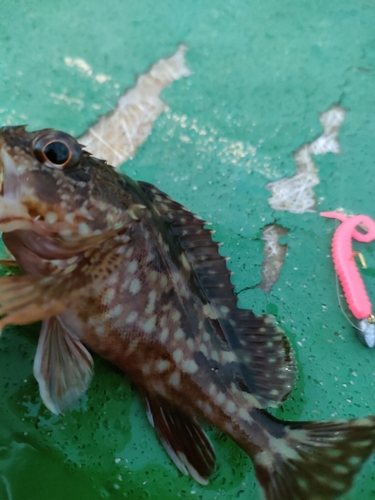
(342, 254)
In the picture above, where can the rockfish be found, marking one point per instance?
(117, 267)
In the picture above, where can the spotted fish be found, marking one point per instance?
(117, 267)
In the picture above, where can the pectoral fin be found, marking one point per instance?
(24, 299)
(183, 438)
(63, 367)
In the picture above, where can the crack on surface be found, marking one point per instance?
(117, 135)
(274, 255)
(295, 194)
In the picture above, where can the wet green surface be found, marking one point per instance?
(263, 71)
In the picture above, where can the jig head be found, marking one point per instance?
(350, 279)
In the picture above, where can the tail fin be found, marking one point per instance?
(315, 461)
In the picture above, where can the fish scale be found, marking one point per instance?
(117, 267)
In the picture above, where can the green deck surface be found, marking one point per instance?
(263, 71)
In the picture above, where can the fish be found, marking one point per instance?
(115, 266)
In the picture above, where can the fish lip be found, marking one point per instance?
(9, 176)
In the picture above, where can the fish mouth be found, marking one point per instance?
(13, 214)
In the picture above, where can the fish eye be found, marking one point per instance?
(56, 149)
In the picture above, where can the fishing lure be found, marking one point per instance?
(351, 281)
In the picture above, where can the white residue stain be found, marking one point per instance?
(117, 136)
(207, 141)
(295, 194)
(71, 101)
(81, 64)
(85, 68)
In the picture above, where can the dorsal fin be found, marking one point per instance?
(211, 277)
(264, 363)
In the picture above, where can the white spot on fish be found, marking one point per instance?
(83, 229)
(178, 355)
(131, 317)
(215, 355)
(228, 356)
(108, 296)
(133, 344)
(229, 427)
(244, 414)
(149, 325)
(179, 334)
(70, 269)
(183, 259)
(220, 398)
(206, 336)
(164, 335)
(135, 286)
(69, 218)
(230, 407)
(132, 266)
(190, 366)
(175, 379)
(207, 408)
(265, 458)
(176, 315)
(113, 279)
(208, 311)
(151, 302)
(99, 329)
(153, 276)
(162, 365)
(251, 399)
(190, 344)
(51, 217)
(116, 311)
(204, 350)
(121, 250)
(129, 252)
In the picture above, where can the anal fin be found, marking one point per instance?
(183, 438)
(63, 367)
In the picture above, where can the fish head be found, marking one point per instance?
(51, 186)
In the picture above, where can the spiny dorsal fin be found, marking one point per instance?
(183, 439)
(264, 362)
(63, 367)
